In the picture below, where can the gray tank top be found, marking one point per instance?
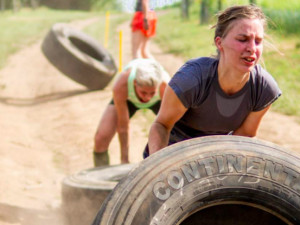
(210, 110)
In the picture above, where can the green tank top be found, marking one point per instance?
(131, 92)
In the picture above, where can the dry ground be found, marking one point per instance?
(47, 126)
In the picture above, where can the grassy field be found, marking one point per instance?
(26, 26)
(281, 57)
(271, 4)
(23, 28)
(185, 38)
(97, 31)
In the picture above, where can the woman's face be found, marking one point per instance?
(144, 93)
(242, 47)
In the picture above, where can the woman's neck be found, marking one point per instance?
(231, 81)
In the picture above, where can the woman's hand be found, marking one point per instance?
(145, 24)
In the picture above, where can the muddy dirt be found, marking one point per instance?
(47, 126)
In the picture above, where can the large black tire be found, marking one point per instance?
(84, 192)
(79, 56)
(210, 180)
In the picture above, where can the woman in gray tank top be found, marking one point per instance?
(229, 93)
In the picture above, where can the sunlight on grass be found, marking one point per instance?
(98, 31)
(26, 26)
(187, 39)
(285, 69)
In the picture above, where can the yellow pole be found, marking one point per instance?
(120, 50)
(106, 29)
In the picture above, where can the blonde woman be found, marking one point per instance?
(140, 86)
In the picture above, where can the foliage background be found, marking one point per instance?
(187, 38)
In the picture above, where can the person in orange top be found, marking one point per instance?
(143, 26)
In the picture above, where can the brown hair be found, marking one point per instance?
(233, 13)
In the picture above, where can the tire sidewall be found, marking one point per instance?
(84, 192)
(165, 188)
(63, 33)
(79, 56)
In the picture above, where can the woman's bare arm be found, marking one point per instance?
(250, 125)
(170, 112)
(120, 94)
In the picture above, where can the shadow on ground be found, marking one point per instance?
(41, 99)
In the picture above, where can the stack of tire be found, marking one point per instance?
(211, 180)
(79, 56)
(83, 59)
(83, 193)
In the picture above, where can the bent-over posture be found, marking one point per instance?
(139, 86)
(226, 94)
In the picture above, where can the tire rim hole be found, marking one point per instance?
(232, 214)
(86, 48)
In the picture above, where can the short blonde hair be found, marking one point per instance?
(148, 73)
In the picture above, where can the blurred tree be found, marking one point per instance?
(185, 9)
(253, 2)
(106, 4)
(2, 5)
(30, 3)
(220, 5)
(81, 4)
(204, 11)
(16, 5)
(34, 4)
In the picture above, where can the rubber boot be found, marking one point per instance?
(101, 159)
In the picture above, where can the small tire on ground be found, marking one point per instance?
(209, 180)
(84, 192)
(79, 56)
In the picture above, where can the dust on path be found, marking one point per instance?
(47, 127)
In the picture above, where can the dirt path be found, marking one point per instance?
(47, 127)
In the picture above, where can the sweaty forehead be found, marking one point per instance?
(247, 27)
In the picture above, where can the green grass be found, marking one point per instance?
(284, 21)
(188, 39)
(283, 15)
(270, 4)
(98, 31)
(26, 26)
(184, 38)
(279, 5)
(285, 69)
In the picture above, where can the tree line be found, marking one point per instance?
(15, 5)
(205, 6)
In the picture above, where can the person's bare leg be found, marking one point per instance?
(136, 41)
(105, 132)
(145, 52)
